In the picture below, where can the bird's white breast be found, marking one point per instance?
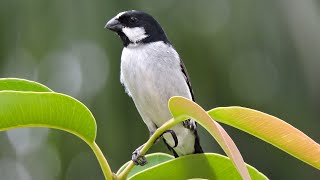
(151, 74)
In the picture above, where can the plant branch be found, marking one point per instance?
(148, 145)
(102, 161)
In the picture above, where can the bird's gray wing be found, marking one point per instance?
(191, 124)
(187, 78)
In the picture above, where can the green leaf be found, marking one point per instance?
(182, 108)
(46, 109)
(272, 130)
(25, 103)
(153, 160)
(208, 166)
(22, 85)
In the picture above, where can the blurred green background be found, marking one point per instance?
(259, 54)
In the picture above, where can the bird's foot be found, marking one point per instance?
(138, 158)
(189, 124)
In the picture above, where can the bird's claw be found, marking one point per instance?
(138, 158)
(189, 124)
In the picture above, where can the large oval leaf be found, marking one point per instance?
(272, 130)
(46, 109)
(22, 85)
(182, 108)
(209, 166)
(153, 160)
(34, 108)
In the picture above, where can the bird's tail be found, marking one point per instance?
(197, 146)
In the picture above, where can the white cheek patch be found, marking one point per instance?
(135, 34)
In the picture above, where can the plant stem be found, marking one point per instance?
(102, 161)
(123, 174)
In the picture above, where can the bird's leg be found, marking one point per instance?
(189, 124)
(139, 159)
(174, 136)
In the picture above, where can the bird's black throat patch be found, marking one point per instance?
(124, 38)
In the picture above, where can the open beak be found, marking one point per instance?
(114, 25)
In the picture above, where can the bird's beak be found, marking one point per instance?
(114, 25)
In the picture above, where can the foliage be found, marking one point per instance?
(29, 104)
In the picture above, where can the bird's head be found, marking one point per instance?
(136, 27)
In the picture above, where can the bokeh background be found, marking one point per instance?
(259, 54)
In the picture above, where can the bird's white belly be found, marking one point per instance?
(149, 92)
(151, 78)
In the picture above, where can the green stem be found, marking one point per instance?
(102, 161)
(123, 174)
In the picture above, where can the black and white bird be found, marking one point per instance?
(152, 72)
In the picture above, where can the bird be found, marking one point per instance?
(151, 72)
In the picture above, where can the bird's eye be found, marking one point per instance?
(133, 19)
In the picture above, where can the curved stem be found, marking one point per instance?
(123, 174)
(102, 161)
